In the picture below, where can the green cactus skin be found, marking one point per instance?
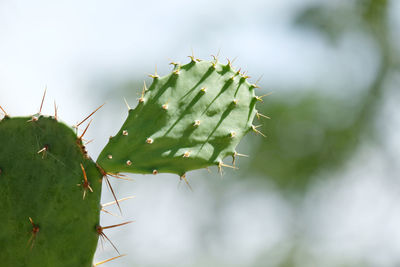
(190, 119)
(40, 167)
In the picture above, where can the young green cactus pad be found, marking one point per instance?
(49, 195)
(190, 119)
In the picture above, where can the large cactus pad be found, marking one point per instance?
(45, 221)
(190, 119)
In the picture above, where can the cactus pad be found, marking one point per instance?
(190, 119)
(45, 221)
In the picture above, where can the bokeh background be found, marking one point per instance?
(321, 190)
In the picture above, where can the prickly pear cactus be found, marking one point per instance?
(50, 195)
(190, 119)
(50, 188)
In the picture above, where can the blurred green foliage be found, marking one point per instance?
(306, 134)
(333, 19)
(311, 133)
